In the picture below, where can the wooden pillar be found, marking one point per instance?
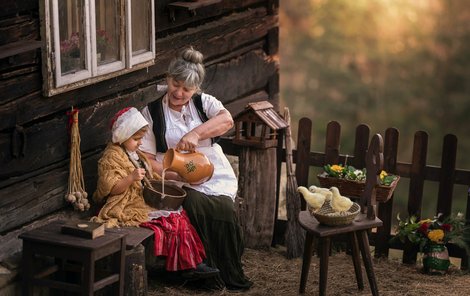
(257, 181)
(136, 272)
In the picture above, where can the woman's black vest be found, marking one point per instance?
(159, 125)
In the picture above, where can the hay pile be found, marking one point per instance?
(273, 274)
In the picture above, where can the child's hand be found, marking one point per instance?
(138, 174)
(124, 183)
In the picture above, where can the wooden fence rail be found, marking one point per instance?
(417, 172)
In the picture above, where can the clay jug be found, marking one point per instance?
(195, 167)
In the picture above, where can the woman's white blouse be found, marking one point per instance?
(223, 181)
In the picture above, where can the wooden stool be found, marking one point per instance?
(69, 252)
(357, 230)
(359, 241)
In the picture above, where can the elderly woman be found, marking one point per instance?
(186, 119)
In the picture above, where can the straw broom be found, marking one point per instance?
(76, 193)
(295, 235)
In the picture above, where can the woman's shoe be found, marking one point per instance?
(202, 271)
(243, 288)
(205, 271)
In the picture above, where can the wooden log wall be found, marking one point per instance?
(239, 39)
(417, 171)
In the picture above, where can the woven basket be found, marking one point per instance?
(354, 188)
(326, 215)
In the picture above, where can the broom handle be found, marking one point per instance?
(289, 158)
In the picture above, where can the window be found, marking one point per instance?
(92, 40)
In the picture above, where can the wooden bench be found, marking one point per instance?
(135, 276)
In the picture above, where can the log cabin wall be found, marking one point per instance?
(239, 40)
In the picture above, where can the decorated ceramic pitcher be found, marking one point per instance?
(195, 167)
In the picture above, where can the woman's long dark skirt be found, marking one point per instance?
(216, 223)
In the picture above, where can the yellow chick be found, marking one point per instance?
(324, 191)
(314, 200)
(339, 203)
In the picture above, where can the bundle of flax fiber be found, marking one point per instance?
(76, 193)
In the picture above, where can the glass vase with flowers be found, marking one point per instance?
(431, 236)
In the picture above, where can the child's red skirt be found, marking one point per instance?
(177, 239)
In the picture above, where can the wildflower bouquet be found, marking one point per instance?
(438, 230)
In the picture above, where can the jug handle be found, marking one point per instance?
(185, 151)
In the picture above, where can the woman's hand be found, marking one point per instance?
(214, 127)
(138, 174)
(189, 142)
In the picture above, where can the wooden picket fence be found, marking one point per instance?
(417, 172)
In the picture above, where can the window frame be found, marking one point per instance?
(53, 80)
(144, 56)
(113, 66)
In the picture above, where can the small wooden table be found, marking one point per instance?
(357, 231)
(68, 252)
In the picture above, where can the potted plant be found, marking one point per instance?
(70, 53)
(102, 42)
(431, 236)
(351, 181)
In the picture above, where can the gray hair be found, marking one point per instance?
(188, 67)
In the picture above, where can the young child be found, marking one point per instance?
(121, 171)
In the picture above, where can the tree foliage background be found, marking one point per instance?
(385, 63)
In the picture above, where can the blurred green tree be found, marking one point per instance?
(403, 64)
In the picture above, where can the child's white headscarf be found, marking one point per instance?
(126, 123)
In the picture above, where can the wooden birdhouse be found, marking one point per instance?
(258, 126)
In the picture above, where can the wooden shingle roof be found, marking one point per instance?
(266, 113)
